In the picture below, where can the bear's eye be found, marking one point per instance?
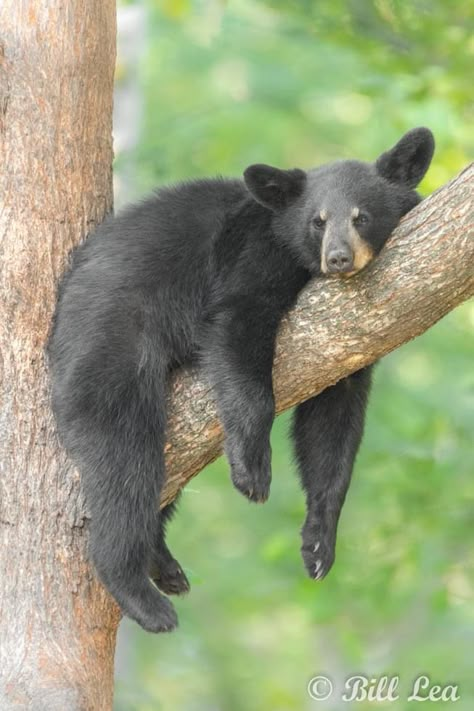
(319, 223)
(361, 219)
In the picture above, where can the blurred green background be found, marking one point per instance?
(206, 88)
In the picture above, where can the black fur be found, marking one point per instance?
(204, 271)
(327, 431)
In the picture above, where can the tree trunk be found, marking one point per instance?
(57, 625)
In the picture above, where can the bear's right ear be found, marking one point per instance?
(272, 187)
(407, 162)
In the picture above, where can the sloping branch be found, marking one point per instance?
(339, 326)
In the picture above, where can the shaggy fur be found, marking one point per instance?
(203, 272)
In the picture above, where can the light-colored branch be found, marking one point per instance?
(339, 326)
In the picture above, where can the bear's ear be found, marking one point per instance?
(272, 187)
(407, 162)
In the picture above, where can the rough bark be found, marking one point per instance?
(57, 625)
(337, 327)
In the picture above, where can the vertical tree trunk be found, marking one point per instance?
(57, 625)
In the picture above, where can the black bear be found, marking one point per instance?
(203, 272)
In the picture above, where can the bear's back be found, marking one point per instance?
(144, 271)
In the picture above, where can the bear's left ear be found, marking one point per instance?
(272, 187)
(407, 162)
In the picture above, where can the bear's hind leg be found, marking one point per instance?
(115, 432)
(165, 571)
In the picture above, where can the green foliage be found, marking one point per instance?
(298, 83)
(226, 85)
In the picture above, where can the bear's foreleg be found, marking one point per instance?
(238, 359)
(327, 431)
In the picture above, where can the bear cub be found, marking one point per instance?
(203, 272)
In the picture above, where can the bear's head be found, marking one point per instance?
(337, 217)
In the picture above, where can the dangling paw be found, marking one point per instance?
(318, 550)
(252, 477)
(254, 484)
(168, 576)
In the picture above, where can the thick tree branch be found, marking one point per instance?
(337, 327)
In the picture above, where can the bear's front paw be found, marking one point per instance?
(252, 482)
(318, 550)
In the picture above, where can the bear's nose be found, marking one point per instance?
(340, 260)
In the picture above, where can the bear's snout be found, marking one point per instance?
(340, 260)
